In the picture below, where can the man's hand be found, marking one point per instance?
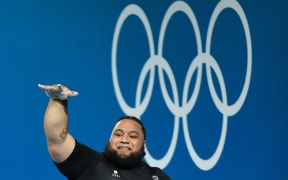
(58, 91)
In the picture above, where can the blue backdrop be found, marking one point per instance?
(208, 78)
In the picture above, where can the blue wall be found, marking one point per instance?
(71, 42)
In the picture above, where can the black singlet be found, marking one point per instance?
(87, 164)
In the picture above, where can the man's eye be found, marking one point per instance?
(133, 137)
(118, 134)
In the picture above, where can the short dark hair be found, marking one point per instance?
(134, 119)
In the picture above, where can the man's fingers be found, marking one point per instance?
(55, 87)
(73, 93)
(45, 87)
(41, 86)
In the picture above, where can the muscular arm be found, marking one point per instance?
(60, 143)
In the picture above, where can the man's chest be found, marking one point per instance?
(109, 172)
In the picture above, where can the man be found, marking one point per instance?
(122, 158)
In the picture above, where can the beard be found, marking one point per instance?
(124, 162)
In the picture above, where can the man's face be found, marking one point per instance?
(127, 137)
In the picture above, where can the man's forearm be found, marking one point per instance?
(56, 121)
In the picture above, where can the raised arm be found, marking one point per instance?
(60, 143)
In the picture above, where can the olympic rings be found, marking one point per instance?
(202, 58)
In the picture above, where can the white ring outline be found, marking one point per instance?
(201, 58)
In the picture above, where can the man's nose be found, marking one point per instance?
(125, 139)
